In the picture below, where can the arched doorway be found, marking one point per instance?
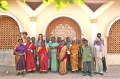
(9, 32)
(113, 40)
(63, 27)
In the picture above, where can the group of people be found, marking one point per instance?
(59, 55)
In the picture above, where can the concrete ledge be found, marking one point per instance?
(113, 59)
(6, 57)
(11, 69)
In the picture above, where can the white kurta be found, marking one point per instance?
(98, 58)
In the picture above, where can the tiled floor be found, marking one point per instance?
(112, 74)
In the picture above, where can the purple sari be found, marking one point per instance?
(20, 60)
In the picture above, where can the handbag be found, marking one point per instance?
(68, 52)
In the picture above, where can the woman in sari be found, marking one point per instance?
(62, 56)
(68, 43)
(74, 49)
(43, 57)
(19, 52)
(38, 44)
(79, 43)
(24, 38)
(54, 58)
(48, 44)
(30, 65)
(40, 39)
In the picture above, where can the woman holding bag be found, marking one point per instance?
(19, 52)
(62, 56)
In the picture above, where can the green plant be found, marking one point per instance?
(3, 5)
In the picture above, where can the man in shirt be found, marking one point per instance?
(104, 59)
(98, 54)
(86, 51)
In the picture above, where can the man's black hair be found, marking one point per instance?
(20, 39)
(53, 37)
(86, 40)
(98, 33)
(25, 33)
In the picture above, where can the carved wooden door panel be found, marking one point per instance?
(63, 27)
(113, 40)
(9, 32)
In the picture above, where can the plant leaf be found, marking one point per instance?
(63, 4)
(24, 1)
(4, 3)
(70, 1)
(79, 2)
(57, 7)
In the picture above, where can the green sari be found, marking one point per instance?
(69, 63)
(54, 59)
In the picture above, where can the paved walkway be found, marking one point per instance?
(113, 73)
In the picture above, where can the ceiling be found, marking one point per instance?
(95, 1)
(92, 4)
(86, 1)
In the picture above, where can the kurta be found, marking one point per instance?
(98, 54)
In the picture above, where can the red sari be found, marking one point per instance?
(43, 58)
(30, 65)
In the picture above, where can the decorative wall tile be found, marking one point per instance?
(9, 32)
(113, 40)
(63, 27)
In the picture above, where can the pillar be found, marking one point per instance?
(94, 29)
(33, 26)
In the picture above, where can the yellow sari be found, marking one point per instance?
(62, 59)
(74, 56)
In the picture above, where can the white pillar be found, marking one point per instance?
(33, 26)
(94, 29)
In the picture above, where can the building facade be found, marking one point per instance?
(80, 21)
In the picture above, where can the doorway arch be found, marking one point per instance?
(63, 27)
(113, 39)
(9, 32)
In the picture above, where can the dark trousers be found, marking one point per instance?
(35, 60)
(87, 65)
(104, 64)
(68, 63)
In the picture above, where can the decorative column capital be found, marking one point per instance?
(33, 18)
(94, 20)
